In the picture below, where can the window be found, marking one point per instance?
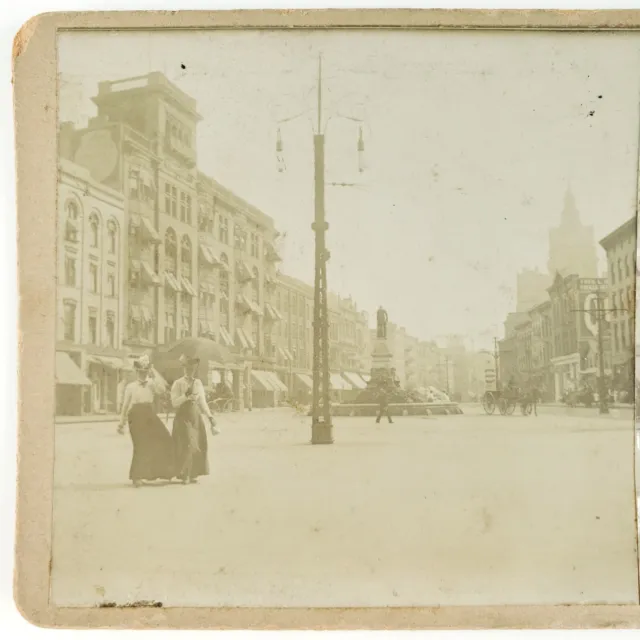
(183, 206)
(111, 285)
(170, 251)
(112, 233)
(255, 286)
(71, 223)
(94, 231)
(188, 209)
(93, 326)
(70, 271)
(69, 320)
(255, 334)
(239, 238)
(185, 317)
(627, 271)
(612, 272)
(167, 198)
(174, 202)
(224, 230)
(185, 258)
(111, 330)
(224, 275)
(619, 268)
(255, 245)
(93, 278)
(170, 316)
(224, 313)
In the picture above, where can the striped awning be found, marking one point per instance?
(208, 255)
(243, 302)
(225, 336)
(275, 381)
(68, 372)
(306, 380)
(149, 231)
(338, 383)
(272, 313)
(110, 362)
(171, 281)
(187, 286)
(244, 270)
(261, 381)
(354, 380)
(149, 274)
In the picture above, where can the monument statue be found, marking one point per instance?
(382, 319)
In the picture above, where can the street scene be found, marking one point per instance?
(330, 336)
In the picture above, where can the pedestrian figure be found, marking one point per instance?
(189, 433)
(383, 405)
(152, 445)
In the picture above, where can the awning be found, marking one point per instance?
(149, 274)
(354, 380)
(187, 286)
(365, 376)
(272, 254)
(204, 326)
(171, 281)
(244, 340)
(243, 302)
(244, 270)
(272, 313)
(287, 354)
(111, 362)
(208, 255)
(255, 308)
(262, 381)
(68, 372)
(150, 232)
(226, 337)
(275, 381)
(338, 383)
(269, 281)
(305, 380)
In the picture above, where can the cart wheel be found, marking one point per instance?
(511, 407)
(488, 403)
(502, 406)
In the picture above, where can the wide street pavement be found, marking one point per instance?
(466, 509)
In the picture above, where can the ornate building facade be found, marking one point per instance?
(91, 273)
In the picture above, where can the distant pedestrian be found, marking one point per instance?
(152, 444)
(189, 434)
(383, 405)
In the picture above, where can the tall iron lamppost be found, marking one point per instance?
(321, 424)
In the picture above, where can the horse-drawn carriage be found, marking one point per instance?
(506, 400)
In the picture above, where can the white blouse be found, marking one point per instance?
(137, 392)
(178, 390)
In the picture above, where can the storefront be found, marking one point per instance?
(71, 385)
(566, 373)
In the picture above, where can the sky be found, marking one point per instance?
(471, 141)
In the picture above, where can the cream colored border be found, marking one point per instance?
(35, 69)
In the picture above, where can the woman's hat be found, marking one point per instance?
(187, 361)
(142, 363)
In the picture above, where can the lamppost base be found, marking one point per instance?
(321, 432)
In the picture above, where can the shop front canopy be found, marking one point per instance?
(68, 372)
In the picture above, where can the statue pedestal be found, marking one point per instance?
(381, 359)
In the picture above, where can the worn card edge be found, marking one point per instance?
(35, 99)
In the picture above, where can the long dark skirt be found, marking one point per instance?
(190, 442)
(152, 445)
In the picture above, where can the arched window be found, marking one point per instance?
(185, 257)
(255, 286)
(72, 212)
(170, 251)
(112, 234)
(224, 275)
(94, 230)
(224, 313)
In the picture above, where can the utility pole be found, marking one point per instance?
(603, 392)
(321, 426)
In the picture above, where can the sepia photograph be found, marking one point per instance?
(345, 318)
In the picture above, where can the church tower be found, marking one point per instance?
(572, 246)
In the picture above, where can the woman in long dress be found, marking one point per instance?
(189, 434)
(153, 456)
